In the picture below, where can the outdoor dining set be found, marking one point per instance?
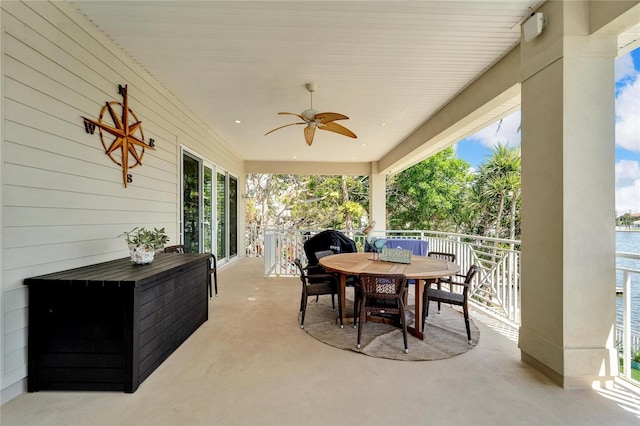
(381, 287)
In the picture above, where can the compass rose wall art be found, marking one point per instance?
(121, 134)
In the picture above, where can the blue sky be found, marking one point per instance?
(475, 149)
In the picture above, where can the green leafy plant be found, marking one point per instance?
(152, 240)
(635, 355)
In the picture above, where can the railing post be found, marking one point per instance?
(626, 323)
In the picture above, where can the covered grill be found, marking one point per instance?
(329, 239)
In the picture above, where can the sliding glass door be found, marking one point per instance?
(209, 208)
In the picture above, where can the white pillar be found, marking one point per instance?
(568, 217)
(377, 198)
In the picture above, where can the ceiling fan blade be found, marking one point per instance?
(293, 113)
(286, 125)
(328, 117)
(335, 127)
(309, 131)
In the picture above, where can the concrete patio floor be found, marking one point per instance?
(251, 364)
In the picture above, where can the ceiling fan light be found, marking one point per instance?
(309, 114)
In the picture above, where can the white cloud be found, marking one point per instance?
(624, 67)
(627, 186)
(627, 171)
(628, 116)
(505, 132)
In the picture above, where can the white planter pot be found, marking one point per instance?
(140, 255)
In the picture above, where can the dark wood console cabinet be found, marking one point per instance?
(108, 326)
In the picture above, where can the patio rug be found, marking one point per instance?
(445, 333)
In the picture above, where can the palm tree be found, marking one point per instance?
(498, 187)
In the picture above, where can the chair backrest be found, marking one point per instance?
(473, 270)
(390, 286)
(449, 257)
(471, 273)
(323, 253)
(175, 249)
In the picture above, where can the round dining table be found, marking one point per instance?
(421, 269)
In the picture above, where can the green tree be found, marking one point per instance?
(339, 202)
(625, 220)
(306, 202)
(429, 195)
(495, 195)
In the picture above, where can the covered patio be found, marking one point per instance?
(64, 203)
(252, 364)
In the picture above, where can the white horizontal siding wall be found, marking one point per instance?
(63, 199)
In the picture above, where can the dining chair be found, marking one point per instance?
(213, 266)
(351, 279)
(449, 257)
(324, 284)
(318, 269)
(451, 297)
(382, 295)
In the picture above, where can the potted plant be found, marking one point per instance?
(143, 243)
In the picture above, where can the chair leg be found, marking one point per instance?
(214, 271)
(465, 310)
(363, 312)
(425, 308)
(439, 287)
(404, 328)
(304, 311)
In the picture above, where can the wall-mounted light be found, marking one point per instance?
(533, 26)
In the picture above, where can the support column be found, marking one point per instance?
(377, 198)
(568, 206)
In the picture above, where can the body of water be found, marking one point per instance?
(629, 242)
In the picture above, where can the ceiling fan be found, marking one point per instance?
(317, 120)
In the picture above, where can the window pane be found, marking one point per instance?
(233, 216)
(191, 208)
(207, 201)
(221, 197)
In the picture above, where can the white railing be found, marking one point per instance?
(495, 291)
(626, 338)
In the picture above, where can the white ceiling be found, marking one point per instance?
(393, 62)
